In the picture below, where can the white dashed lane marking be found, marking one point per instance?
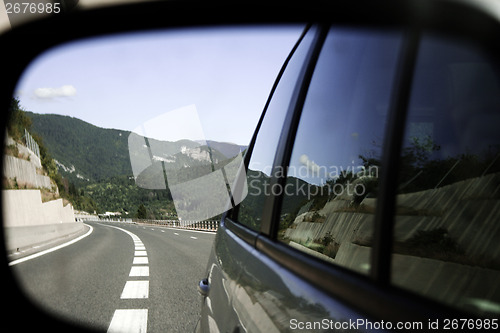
(140, 261)
(135, 289)
(129, 321)
(139, 271)
(133, 320)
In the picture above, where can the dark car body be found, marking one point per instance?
(392, 222)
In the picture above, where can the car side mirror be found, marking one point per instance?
(203, 287)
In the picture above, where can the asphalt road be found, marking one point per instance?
(112, 278)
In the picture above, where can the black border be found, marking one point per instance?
(22, 44)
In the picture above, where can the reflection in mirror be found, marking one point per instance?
(200, 188)
(260, 165)
(332, 180)
(114, 139)
(448, 207)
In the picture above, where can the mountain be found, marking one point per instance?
(87, 153)
(120, 170)
(83, 152)
(226, 148)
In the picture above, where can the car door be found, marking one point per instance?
(331, 74)
(372, 190)
(226, 299)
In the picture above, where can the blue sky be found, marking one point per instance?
(123, 82)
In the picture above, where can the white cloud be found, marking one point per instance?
(64, 91)
(310, 165)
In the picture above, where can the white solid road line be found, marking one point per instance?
(41, 253)
(129, 321)
(134, 236)
(135, 289)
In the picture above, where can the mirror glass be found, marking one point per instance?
(119, 160)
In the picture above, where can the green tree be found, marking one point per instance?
(142, 213)
(18, 120)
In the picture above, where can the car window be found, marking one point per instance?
(261, 162)
(447, 234)
(332, 179)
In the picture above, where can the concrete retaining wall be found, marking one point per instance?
(29, 221)
(24, 172)
(27, 236)
(23, 150)
(25, 208)
(467, 209)
(344, 227)
(433, 278)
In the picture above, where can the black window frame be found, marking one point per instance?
(230, 218)
(272, 204)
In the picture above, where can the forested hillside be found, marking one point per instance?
(94, 153)
(95, 163)
(20, 121)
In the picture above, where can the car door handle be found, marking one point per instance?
(203, 287)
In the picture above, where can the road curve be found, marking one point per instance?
(122, 275)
